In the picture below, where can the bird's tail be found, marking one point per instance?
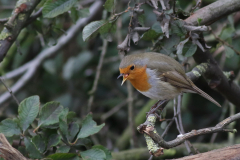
(205, 95)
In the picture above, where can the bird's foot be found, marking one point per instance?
(159, 105)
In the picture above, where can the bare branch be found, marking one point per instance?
(220, 127)
(99, 67)
(10, 91)
(214, 12)
(225, 43)
(31, 67)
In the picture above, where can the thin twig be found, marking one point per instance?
(10, 91)
(133, 139)
(34, 17)
(225, 43)
(174, 5)
(177, 108)
(4, 20)
(175, 112)
(179, 104)
(98, 72)
(224, 111)
(231, 137)
(114, 110)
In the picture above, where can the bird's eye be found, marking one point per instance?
(132, 67)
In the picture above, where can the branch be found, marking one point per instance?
(220, 127)
(230, 153)
(210, 14)
(7, 151)
(15, 24)
(10, 91)
(224, 42)
(155, 142)
(31, 67)
(214, 12)
(34, 17)
(99, 67)
(178, 151)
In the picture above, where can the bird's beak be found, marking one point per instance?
(125, 76)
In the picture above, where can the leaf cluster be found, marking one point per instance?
(51, 131)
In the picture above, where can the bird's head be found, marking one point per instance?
(131, 68)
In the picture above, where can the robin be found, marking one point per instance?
(158, 76)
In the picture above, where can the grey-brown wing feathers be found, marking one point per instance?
(178, 80)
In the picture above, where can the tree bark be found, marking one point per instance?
(210, 14)
(227, 153)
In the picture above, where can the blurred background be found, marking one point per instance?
(68, 76)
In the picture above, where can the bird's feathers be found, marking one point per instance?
(168, 70)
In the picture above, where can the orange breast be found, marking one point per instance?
(140, 80)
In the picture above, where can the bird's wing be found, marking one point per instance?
(178, 80)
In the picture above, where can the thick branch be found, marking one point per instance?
(214, 11)
(229, 153)
(179, 151)
(208, 15)
(227, 88)
(7, 151)
(15, 24)
(220, 127)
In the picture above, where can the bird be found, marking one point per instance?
(158, 76)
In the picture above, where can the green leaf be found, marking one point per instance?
(177, 27)
(106, 151)
(189, 49)
(106, 31)
(63, 128)
(73, 129)
(71, 116)
(179, 10)
(229, 51)
(39, 143)
(93, 154)
(89, 127)
(10, 127)
(63, 156)
(76, 64)
(54, 140)
(199, 20)
(227, 33)
(84, 12)
(171, 42)
(74, 14)
(109, 5)
(157, 27)
(92, 28)
(63, 149)
(86, 142)
(50, 113)
(150, 35)
(141, 19)
(28, 111)
(31, 148)
(53, 8)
